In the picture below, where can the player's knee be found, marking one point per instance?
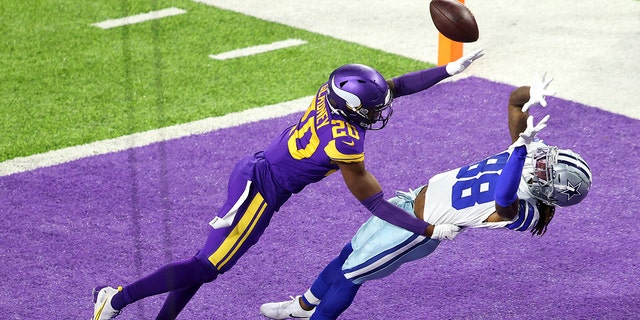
(346, 251)
(205, 271)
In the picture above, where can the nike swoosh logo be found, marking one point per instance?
(296, 317)
(350, 143)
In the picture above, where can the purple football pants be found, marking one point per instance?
(224, 246)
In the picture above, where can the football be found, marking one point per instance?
(454, 20)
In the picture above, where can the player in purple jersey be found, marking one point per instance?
(327, 138)
(517, 189)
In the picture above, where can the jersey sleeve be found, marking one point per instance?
(527, 218)
(346, 149)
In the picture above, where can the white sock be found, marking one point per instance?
(309, 297)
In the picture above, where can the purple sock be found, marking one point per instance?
(175, 302)
(172, 276)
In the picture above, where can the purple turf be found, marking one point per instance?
(112, 218)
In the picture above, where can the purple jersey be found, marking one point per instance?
(306, 152)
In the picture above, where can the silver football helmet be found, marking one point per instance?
(560, 177)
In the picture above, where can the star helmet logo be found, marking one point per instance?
(571, 190)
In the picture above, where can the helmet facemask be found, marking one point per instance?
(542, 184)
(376, 117)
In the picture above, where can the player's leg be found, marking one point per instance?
(172, 276)
(223, 248)
(249, 224)
(176, 301)
(326, 278)
(337, 299)
(169, 277)
(303, 306)
(365, 259)
(393, 246)
(192, 273)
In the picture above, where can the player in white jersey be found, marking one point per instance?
(455, 196)
(516, 189)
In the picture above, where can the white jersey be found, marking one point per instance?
(465, 196)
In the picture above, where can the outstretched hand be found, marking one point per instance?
(530, 133)
(538, 91)
(461, 64)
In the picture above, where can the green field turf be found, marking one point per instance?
(66, 82)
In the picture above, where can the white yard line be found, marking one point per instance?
(113, 23)
(60, 156)
(249, 51)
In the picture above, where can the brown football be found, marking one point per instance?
(454, 20)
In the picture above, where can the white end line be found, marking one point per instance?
(257, 49)
(108, 24)
(141, 139)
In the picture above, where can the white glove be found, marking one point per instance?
(537, 91)
(459, 65)
(445, 231)
(530, 132)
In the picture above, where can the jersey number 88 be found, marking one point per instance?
(476, 183)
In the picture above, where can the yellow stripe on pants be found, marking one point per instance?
(240, 232)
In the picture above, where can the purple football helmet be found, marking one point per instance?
(361, 95)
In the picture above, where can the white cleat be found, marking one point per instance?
(102, 309)
(290, 309)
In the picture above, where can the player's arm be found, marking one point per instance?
(506, 193)
(517, 117)
(521, 99)
(366, 188)
(417, 81)
(522, 133)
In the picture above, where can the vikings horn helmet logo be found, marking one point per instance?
(361, 95)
